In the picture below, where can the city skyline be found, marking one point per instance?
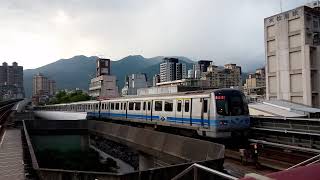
(38, 34)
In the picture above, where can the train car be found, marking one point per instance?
(67, 111)
(215, 113)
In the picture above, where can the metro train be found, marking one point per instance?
(214, 113)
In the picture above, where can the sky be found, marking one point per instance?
(37, 32)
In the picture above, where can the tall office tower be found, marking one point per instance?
(168, 69)
(292, 42)
(102, 67)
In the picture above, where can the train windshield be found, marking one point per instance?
(231, 103)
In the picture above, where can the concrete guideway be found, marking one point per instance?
(11, 155)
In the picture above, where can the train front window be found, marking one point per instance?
(236, 106)
(231, 103)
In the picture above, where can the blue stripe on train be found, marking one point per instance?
(195, 121)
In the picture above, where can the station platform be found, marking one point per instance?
(11, 155)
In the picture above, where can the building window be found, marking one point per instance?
(179, 104)
(131, 104)
(137, 106)
(168, 106)
(158, 106)
(186, 106)
(117, 106)
(112, 106)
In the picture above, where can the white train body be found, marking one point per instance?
(214, 113)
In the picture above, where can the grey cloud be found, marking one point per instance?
(223, 31)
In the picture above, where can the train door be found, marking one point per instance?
(205, 112)
(183, 111)
(179, 111)
(147, 107)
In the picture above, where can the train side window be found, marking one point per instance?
(137, 106)
(168, 106)
(112, 106)
(117, 106)
(186, 106)
(144, 106)
(158, 105)
(131, 104)
(205, 105)
(124, 106)
(179, 104)
(121, 106)
(149, 106)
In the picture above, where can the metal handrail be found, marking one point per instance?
(310, 161)
(195, 168)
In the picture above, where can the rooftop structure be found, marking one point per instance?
(282, 109)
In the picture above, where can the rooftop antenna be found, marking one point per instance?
(281, 6)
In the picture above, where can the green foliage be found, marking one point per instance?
(64, 97)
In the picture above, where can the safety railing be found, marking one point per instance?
(307, 162)
(195, 167)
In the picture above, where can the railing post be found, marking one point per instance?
(195, 173)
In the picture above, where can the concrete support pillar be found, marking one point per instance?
(84, 142)
(145, 161)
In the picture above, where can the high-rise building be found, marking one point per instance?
(171, 70)
(42, 89)
(292, 53)
(200, 68)
(40, 85)
(104, 85)
(52, 87)
(11, 81)
(134, 82)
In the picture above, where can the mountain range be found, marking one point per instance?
(77, 71)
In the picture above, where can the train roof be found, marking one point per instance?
(186, 93)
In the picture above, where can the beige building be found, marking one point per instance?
(40, 85)
(42, 89)
(229, 76)
(104, 85)
(256, 83)
(292, 42)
